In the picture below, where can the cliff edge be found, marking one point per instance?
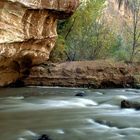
(28, 34)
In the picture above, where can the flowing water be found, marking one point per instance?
(26, 113)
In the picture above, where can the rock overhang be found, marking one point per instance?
(66, 6)
(28, 34)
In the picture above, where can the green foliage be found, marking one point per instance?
(58, 53)
(118, 50)
(85, 36)
(131, 32)
(81, 31)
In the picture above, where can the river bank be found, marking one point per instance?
(91, 74)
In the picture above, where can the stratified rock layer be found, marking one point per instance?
(28, 33)
(96, 74)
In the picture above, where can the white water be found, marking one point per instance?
(26, 113)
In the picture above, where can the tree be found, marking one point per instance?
(87, 35)
(133, 27)
(80, 31)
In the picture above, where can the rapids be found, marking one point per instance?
(26, 113)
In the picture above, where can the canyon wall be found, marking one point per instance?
(117, 17)
(28, 34)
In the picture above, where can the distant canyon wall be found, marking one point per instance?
(28, 33)
(117, 17)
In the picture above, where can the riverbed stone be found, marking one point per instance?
(80, 94)
(44, 137)
(130, 104)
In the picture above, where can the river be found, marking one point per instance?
(26, 113)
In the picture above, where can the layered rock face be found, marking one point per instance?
(28, 33)
(95, 74)
(117, 17)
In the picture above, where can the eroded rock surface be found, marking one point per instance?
(94, 74)
(28, 34)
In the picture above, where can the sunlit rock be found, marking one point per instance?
(28, 33)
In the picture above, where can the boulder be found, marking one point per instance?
(130, 104)
(44, 137)
(80, 94)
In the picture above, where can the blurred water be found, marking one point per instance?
(26, 113)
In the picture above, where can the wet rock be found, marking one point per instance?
(44, 137)
(130, 104)
(80, 94)
(137, 86)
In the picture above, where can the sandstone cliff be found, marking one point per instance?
(28, 34)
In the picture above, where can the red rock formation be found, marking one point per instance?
(28, 33)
